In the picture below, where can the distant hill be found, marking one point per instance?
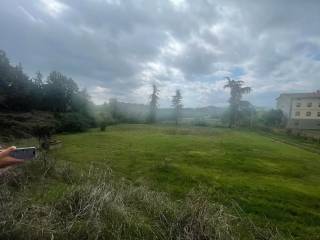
(209, 111)
(139, 112)
(203, 112)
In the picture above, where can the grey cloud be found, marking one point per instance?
(110, 44)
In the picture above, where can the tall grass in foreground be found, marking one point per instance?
(96, 205)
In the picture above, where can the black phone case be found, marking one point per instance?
(24, 153)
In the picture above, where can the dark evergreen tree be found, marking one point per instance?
(59, 94)
(38, 80)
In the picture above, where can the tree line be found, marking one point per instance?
(176, 105)
(73, 110)
(57, 93)
(240, 113)
(235, 112)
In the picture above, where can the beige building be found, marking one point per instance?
(301, 109)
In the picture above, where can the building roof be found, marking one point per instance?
(301, 95)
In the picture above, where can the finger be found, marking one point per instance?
(13, 160)
(10, 162)
(7, 151)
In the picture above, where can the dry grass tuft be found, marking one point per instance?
(96, 205)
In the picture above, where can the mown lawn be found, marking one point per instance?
(269, 180)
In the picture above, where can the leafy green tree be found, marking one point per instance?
(274, 118)
(59, 91)
(80, 102)
(177, 106)
(236, 91)
(247, 114)
(154, 98)
(72, 122)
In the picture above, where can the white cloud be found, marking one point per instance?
(100, 94)
(53, 7)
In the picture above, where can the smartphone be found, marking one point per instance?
(27, 153)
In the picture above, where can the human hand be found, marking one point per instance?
(6, 160)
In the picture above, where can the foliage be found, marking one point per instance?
(139, 113)
(104, 117)
(103, 126)
(200, 122)
(73, 122)
(120, 112)
(177, 106)
(15, 87)
(247, 114)
(273, 118)
(236, 91)
(26, 124)
(58, 94)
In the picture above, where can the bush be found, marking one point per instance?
(73, 122)
(103, 126)
(24, 125)
(106, 121)
(274, 118)
(200, 122)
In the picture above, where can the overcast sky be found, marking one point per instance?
(119, 48)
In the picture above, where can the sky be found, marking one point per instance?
(117, 48)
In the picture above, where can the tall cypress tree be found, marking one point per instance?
(177, 106)
(154, 97)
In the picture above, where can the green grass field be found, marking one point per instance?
(271, 181)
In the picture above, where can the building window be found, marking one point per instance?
(298, 104)
(297, 114)
(319, 105)
(309, 104)
(318, 114)
(296, 123)
(308, 114)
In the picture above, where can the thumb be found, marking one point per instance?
(7, 151)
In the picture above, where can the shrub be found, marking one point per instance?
(106, 121)
(73, 122)
(24, 125)
(200, 122)
(103, 126)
